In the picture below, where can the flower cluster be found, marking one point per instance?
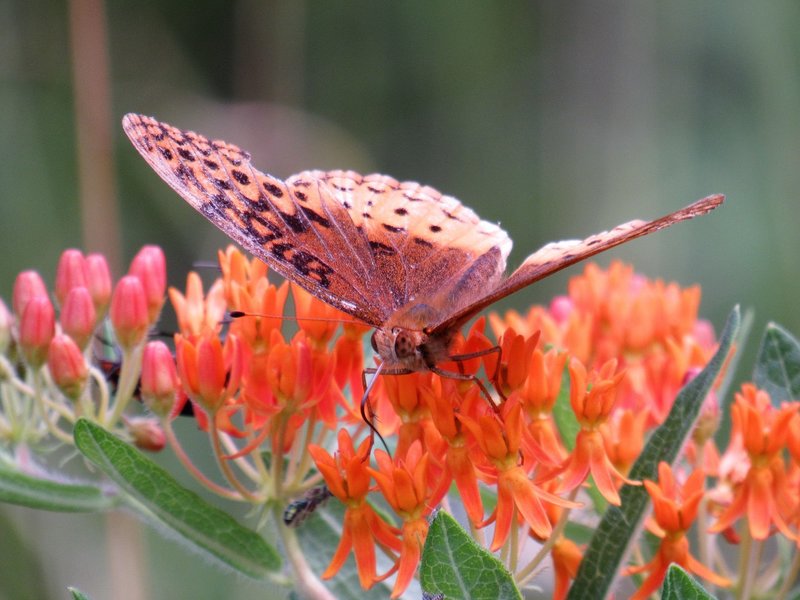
(576, 388)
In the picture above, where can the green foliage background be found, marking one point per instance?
(554, 119)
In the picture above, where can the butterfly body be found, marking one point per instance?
(412, 262)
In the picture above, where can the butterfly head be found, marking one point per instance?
(411, 349)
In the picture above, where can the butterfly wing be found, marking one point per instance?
(558, 255)
(368, 245)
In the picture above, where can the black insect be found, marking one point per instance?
(299, 510)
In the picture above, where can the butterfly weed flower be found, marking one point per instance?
(404, 483)
(763, 496)
(592, 397)
(347, 475)
(675, 508)
(37, 326)
(198, 313)
(159, 379)
(98, 280)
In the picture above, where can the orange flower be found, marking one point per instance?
(592, 408)
(197, 314)
(347, 475)
(764, 495)
(674, 511)
(538, 395)
(566, 559)
(404, 485)
(209, 373)
(460, 463)
(248, 290)
(516, 493)
(318, 319)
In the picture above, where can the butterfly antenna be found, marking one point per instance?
(239, 314)
(369, 418)
(206, 264)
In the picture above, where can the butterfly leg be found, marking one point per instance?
(459, 358)
(466, 377)
(367, 414)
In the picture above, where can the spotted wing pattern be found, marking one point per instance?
(558, 255)
(368, 245)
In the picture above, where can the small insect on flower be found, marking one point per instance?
(299, 510)
(430, 596)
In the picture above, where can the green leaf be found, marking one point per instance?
(777, 369)
(679, 585)
(46, 494)
(319, 536)
(453, 564)
(619, 524)
(563, 415)
(155, 494)
(77, 594)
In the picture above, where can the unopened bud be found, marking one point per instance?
(98, 279)
(71, 272)
(27, 285)
(129, 312)
(150, 266)
(78, 316)
(67, 366)
(159, 379)
(36, 328)
(146, 433)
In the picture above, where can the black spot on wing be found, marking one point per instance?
(240, 177)
(273, 189)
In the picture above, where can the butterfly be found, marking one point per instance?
(402, 257)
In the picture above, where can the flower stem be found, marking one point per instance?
(214, 432)
(191, 468)
(306, 581)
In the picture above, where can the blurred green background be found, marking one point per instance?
(554, 119)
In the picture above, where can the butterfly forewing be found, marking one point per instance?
(368, 245)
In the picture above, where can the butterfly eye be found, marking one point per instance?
(373, 342)
(403, 345)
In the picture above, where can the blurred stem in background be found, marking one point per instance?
(99, 217)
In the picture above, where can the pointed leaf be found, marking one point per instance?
(679, 585)
(453, 564)
(155, 494)
(777, 368)
(77, 594)
(606, 552)
(45, 494)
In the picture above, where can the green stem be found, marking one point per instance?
(528, 570)
(224, 466)
(745, 564)
(128, 379)
(790, 578)
(306, 581)
(38, 395)
(184, 459)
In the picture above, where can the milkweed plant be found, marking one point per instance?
(604, 454)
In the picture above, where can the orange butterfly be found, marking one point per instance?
(402, 257)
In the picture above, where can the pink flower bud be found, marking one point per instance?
(71, 272)
(129, 312)
(6, 322)
(27, 285)
(159, 379)
(98, 278)
(67, 366)
(78, 316)
(146, 433)
(150, 266)
(36, 328)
